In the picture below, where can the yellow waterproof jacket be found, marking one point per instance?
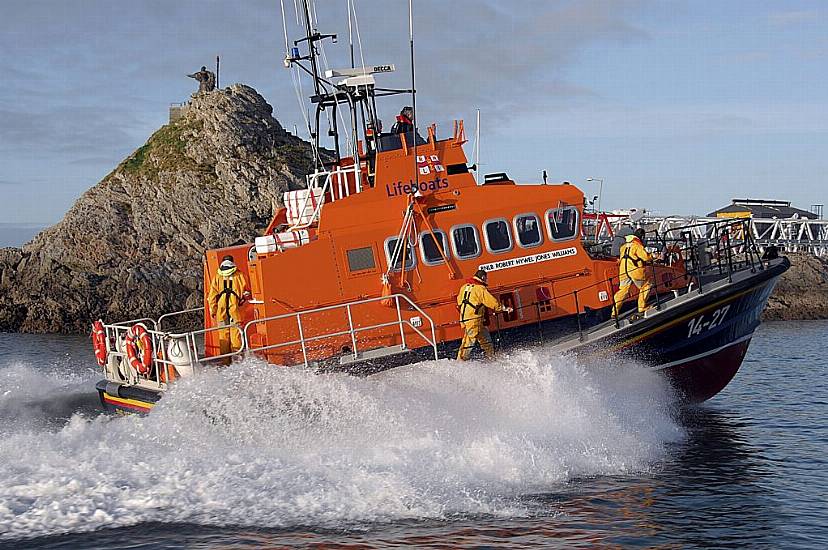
(633, 258)
(473, 300)
(225, 295)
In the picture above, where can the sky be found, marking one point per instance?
(678, 106)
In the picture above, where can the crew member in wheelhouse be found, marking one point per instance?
(405, 121)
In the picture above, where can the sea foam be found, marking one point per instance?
(259, 445)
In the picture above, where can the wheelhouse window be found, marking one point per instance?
(527, 229)
(465, 241)
(431, 247)
(405, 253)
(562, 223)
(498, 237)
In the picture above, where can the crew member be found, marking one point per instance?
(472, 302)
(404, 121)
(227, 292)
(632, 270)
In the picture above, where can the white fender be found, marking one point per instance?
(120, 363)
(179, 355)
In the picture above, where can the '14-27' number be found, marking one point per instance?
(695, 326)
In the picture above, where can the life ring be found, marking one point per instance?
(99, 342)
(139, 348)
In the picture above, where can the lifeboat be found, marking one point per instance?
(359, 272)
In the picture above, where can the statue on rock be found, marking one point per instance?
(206, 80)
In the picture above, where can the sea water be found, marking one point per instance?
(532, 449)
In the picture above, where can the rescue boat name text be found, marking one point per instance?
(395, 189)
(531, 259)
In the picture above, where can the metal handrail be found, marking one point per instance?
(352, 331)
(136, 321)
(316, 211)
(175, 314)
(326, 187)
(159, 339)
(724, 256)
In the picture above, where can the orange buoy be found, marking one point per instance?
(99, 342)
(139, 348)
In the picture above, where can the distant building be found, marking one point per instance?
(178, 110)
(762, 209)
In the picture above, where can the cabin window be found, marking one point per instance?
(498, 238)
(527, 228)
(562, 223)
(431, 245)
(361, 259)
(465, 241)
(391, 245)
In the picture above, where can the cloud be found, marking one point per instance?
(9, 182)
(679, 122)
(505, 59)
(793, 17)
(63, 130)
(120, 64)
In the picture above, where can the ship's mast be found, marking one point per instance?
(320, 85)
(312, 37)
(356, 88)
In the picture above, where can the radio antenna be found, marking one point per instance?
(413, 90)
(477, 150)
(351, 35)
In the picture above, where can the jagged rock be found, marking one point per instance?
(802, 292)
(132, 245)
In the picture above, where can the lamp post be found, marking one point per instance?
(600, 194)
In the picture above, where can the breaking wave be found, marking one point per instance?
(257, 445)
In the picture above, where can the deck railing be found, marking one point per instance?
(351, 330)
(165, 368)
(730, 248)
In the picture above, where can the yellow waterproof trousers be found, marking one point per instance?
(624, 291)
(475, 331)
(230, 339)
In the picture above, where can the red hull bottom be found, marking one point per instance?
(700, 378)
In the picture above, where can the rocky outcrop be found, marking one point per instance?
(132, 245)
(802, 292)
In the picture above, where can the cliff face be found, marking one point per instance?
(132, 245)
(802, 292)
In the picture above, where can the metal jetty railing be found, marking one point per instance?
(787, 234)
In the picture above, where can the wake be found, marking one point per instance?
(255, 444)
